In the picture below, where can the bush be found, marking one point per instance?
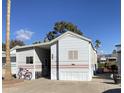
(101, 65)
(114, 68)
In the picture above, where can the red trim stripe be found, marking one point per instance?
(71, 67)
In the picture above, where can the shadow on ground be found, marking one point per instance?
(109, 82)
(117, 90)
(103, 76)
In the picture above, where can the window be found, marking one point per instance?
(3, 59)
(13, 59)
(29, 60)
(73, 54)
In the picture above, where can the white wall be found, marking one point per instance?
(13, 51)
(93, 60)
(22, 54)
(53, 62)
(21, 59)
(80, 69)
(13, 62)
(39, 56)
(90, 62)
(13, 68)
(73, 43)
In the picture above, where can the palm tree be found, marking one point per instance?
(97, 44)
(8, 74)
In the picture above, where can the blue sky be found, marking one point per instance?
(97, 19)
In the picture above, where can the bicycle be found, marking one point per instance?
(24, 74)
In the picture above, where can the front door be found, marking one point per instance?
(46, 68)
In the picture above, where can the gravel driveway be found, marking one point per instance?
(53, 86)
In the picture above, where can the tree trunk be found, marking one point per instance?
(8, 74)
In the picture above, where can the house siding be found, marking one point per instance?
(53, 62)
(73, 69)
(39, 56)
(21, 60)
(12, 60)
(93, 60)
(73, 43)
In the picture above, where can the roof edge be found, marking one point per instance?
(54, 40)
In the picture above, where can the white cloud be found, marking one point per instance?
(23, 34)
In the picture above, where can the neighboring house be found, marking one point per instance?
(119, 57)
(12, 59)
(102, 60)
(67, 57)
(111, 59)
(107, 58)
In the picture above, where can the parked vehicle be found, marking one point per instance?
(116, 76)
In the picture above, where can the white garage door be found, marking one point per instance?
(73, 75)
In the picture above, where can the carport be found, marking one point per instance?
(42, 57)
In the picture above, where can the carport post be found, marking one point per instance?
(57, 60)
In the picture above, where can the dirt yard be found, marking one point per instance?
(97, 85)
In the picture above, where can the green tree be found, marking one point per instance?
(13, 43)
(37, 42)
(51, 35)
(114, 51)
(97, 44)
(61, 27)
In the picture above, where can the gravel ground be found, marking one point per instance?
(97, 85)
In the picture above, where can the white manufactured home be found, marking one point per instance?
(68, 57)
(12, 60)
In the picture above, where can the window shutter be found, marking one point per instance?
(75, 54)
(70, 54)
